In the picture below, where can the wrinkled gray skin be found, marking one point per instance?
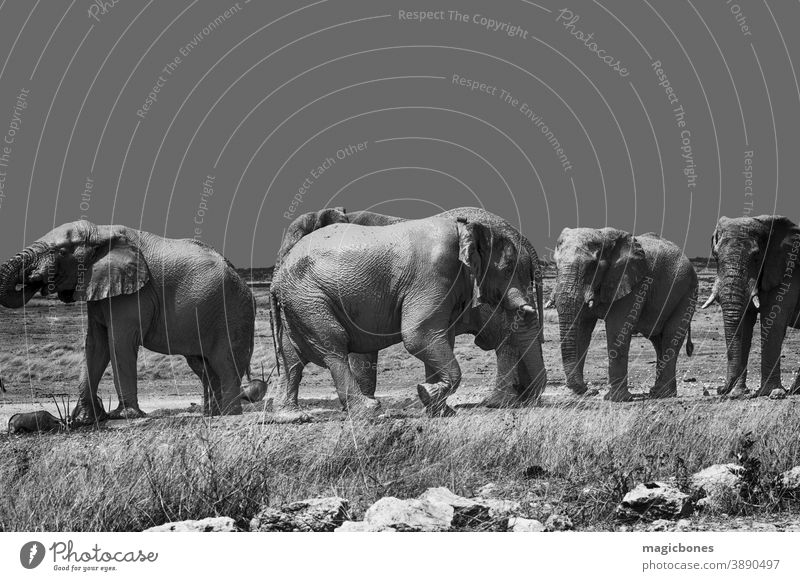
(492, 327)
(178, 297)
(348, 288)
(757, 271)
(30, 422)
(641, 284)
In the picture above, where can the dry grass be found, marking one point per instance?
(180, 468)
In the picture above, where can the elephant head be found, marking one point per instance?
(752, 256)
(506, 284)
(595, 268)
(78, 261)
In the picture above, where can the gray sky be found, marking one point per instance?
(223, 120)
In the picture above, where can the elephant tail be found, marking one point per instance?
(689, 344)
(275, 327)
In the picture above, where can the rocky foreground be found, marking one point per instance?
(650, 506)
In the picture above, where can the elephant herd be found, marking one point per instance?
(348, 284)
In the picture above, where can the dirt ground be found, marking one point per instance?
(35, 372)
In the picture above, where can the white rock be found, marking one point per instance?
(411, 515)
(221, 524)
(525, 525)
(716, 484)
(790, 480)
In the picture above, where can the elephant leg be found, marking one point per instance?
(347, 386)
(201, 368)
(774, 320)
(123, 345)
(228, 385)
(442, 370)
(511, 376)
(796, 385)
(89, 409)
(285, 403)
(365, 367)
(668, 346)
(618, 336)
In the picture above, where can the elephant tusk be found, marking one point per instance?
(756, 302)
(549, 304)
(712, 297)
(591, 303)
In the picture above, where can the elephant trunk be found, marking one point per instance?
(528, 342)
(570, 298)
(738, 323)
(15, 271)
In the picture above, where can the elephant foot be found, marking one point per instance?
(769, 390)
(619, 395)
(499, 399)
(582, 391)
(662, 393)
(435, 401)
(86, 414)
(736, 393)
(126, 413)
(795, 389)
(366, 409)
(291, 416)
(777, 393)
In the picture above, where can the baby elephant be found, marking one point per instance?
(641, 284)
(30, 422)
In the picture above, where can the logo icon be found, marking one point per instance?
(31, 554)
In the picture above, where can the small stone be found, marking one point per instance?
(683, 524)
(221, 524)
(525, 525)
(659, 525)
(689, 379)
(558, 522)
(350, 526)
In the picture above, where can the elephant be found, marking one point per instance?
(756, 273)
(30, 422)
(172, 296)
(347, 288)
(637, 284)
(491, 327)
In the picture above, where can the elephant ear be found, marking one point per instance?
(783, 240)
(474, 245)
(118, 268)
(627, 266)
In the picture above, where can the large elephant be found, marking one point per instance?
(177, 297)
(347, 288)
(757, 271)
(641, 284)
(492, 326)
